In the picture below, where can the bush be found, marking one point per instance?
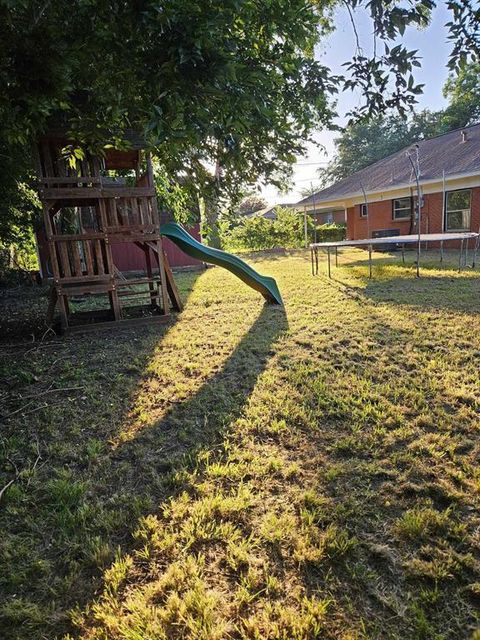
(257, 233)
(331, 232)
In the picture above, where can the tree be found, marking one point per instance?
(366, 141)
(463, 93)
(231, 83)
(310, 190)
(249, 204)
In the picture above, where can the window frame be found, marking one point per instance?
(363, 207)
(446, 212)
(407, 217)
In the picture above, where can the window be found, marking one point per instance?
(363, 210)
(402, 209)
(457, 210)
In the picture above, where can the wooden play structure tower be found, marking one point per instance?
(104, 200)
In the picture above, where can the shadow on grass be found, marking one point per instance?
(439, 286)
(24, 308)
(87, 512)
(434, 292)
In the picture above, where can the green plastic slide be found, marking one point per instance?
(184, 241)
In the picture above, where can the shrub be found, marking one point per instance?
(257, 233)
(331, 232)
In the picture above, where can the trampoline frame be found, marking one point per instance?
(463, 237)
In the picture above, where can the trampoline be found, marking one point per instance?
(398, 241)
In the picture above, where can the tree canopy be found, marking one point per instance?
(364, 142)
(231, 84)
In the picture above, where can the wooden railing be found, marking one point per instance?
(132, 215)
(78, 257)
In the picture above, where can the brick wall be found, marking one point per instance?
(381, 217)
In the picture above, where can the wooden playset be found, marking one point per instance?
(102, 201)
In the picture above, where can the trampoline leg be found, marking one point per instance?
(403, 253)
(311, 259)
(441, 252)
(336, 256)
(329, 273)
(370, 261)
(460, 256)
(316, 261)
(418, 259)
(466, 253)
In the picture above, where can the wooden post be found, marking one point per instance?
(173, 292)
(55, 266)
(148, 261)
(113, 294)
(52, 302)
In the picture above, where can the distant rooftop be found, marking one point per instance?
(447, 153)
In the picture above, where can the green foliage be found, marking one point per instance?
(19, 209)
(173, 197)
(258, 233)
(366, 141)
(233, 84)
(249, 204)
(463, 93)
(331, 232)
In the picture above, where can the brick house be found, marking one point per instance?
(381, 199)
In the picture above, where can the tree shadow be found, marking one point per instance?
(438, 287)
(204, 418)
(24, 309)
(129, 478)
(448, 293)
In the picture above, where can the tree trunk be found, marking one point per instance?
(209, 209)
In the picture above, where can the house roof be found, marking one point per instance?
(446, 152)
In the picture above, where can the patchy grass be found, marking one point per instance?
(246, 473)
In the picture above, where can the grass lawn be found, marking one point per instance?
(247, 472)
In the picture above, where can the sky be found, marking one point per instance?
(339, 47)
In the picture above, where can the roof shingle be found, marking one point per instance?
(446, 152)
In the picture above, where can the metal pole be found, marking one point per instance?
(336, 256)
(316, 261)
(366, 207)
(460, 256)
(416, 170)
(329, 272)
(370, 260)
(314, 212)
(311, 258)
(441, 251)
(305, 226)
(403, 253)
(466, 252)
(475, 249)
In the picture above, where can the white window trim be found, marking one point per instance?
(445, 221)
(407, 217)
(362, 205)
